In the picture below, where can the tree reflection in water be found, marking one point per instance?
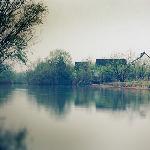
(12, 140)
(57, 98)
(5, 91)
(60, 99)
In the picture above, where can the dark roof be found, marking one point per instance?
(104, 62)
(81, 65)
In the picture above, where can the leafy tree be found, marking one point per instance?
(60, 63)
(120, 71)
(7, 76)
(103, 74)
(3, 67)
(18, 19)
(84, 74)
(57, 69)
(20, 78)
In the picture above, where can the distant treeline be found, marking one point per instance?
(58, 69)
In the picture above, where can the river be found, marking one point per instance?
(68, 118)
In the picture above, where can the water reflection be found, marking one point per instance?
(60, 99)
(10, 140)
(83, 97)
(57, 99)
(123, 114)
(5, 91)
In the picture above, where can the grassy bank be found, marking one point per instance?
(141, 85)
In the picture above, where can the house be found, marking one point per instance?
(104, 62)
(81, 65)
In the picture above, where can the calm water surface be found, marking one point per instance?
(66, 118)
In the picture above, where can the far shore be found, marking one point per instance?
(135, 85)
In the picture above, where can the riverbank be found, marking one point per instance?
(138, 85)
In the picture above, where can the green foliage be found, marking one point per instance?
(103, 74)
(120, 71)
(57, 69)
(7, 75)
(17, 21)
(20, 78)
(83, 75)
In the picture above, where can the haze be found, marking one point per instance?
(94, 28)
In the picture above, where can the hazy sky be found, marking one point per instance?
(95, 28)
